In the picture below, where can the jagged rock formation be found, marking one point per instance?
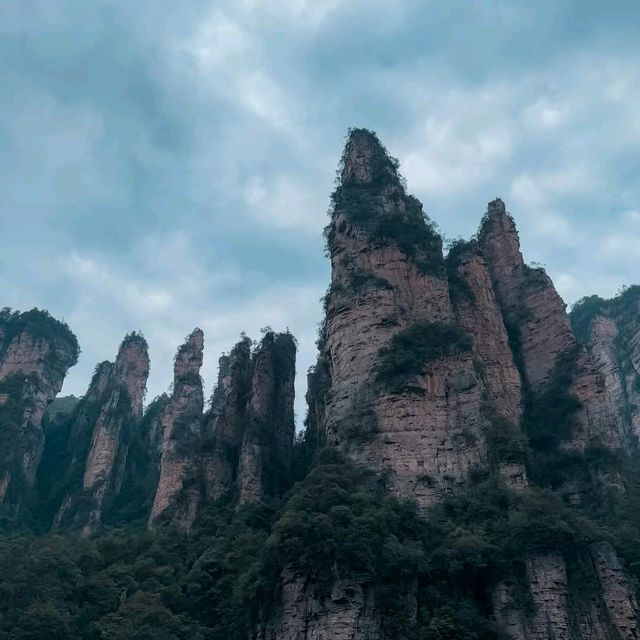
(478, 313)
(267, 441)
(541, 332)
(243, 443)
(36, 351)
(250, 425)
(611, 331)
(508, 349)
(456, 382)
(102, 428)
(347, 613)
(177, 495)
(424, 426)
(224, 422)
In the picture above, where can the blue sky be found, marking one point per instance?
(168, 165)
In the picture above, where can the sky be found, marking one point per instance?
(166, 165)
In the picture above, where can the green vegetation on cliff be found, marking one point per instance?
(40, 324)
(339, 522)
(382, 209)
(412, 349)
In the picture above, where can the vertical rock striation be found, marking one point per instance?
(224, 422)
(36, 351)
(349, 612)
(478, 313)
(541, 332)
(267, 441)
(250, 427)
(178, 491)
(106, 419)
(387, 279)
(611, 331)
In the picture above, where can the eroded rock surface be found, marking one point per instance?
(178, 492)
(36, 351)
(106, 418)
(387, 275)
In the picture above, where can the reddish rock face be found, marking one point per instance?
(36, 351)
(178, 493)
(536, 316)
(388, 274)
(478, 313)
(248, 430)
(110, 411)
(611, 332)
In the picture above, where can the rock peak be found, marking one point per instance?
(131, 343)
(188, 358)
(365, 160)
(132, 368)
(498, 236)
(496, 207)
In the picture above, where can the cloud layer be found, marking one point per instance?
(168, 165)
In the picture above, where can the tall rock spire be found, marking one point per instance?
(107, 417)
(178, 491)
(36, 351)
(422, 423)
(541, 333)
(250, 426)
(478, 313)
(265, 455)
(224, 423)
(611, 331)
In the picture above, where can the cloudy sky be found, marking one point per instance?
(166, 165)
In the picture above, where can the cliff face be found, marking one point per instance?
(36, 351)
(422, 424)
(224, 423)
(347, 613)
(267, 441)
(178, 491)
(250, 426)
(457, 382)
(478, 313)
(430, 368)
(589, 598)
(541, 332)
(106, 419)
(611, 331)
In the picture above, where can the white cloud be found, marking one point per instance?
(219, 40)
(280, 202)
(304, 13)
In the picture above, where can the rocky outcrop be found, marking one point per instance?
(388, 276)
(106, 419)
(611, 331)
(539, 610)
(478, 313)
(348, 612)
(224, 423)
(620, 600)
(36, 351)
(242, 444)
(178, 491)
(541, 333)
(588, 599)
(250, 427)
(265, 455)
